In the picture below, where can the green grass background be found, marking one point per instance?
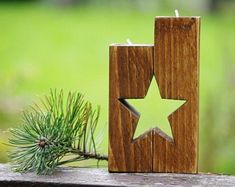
(43, 47)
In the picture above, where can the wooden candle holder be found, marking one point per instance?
(174, 61)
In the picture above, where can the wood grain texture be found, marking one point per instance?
(131, 70)
(176, 67)
(74, 177)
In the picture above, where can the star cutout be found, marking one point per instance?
(154, 111)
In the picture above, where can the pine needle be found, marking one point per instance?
(53, 130)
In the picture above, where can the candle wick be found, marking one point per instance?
(128, 41)
(177, 13)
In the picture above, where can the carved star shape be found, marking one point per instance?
(153, 111)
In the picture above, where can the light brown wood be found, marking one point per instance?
(131, 70)
(176, 67)
(174, 60)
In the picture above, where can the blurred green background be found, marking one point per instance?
(64, 44)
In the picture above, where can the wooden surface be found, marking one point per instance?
(101, 177)
(131, 70)
(176, 66)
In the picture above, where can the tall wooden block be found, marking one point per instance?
(176, 67)
(131, 70)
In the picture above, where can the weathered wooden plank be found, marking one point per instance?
(101, 177)
(176, 67)
(131, 70)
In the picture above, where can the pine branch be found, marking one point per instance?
(89, 155)
(54, 129)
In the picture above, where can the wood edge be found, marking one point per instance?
(130, 45)
(158, 132)
(181, 17)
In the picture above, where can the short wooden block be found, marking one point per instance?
(131, 70)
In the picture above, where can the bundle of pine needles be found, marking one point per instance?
(53, 130)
